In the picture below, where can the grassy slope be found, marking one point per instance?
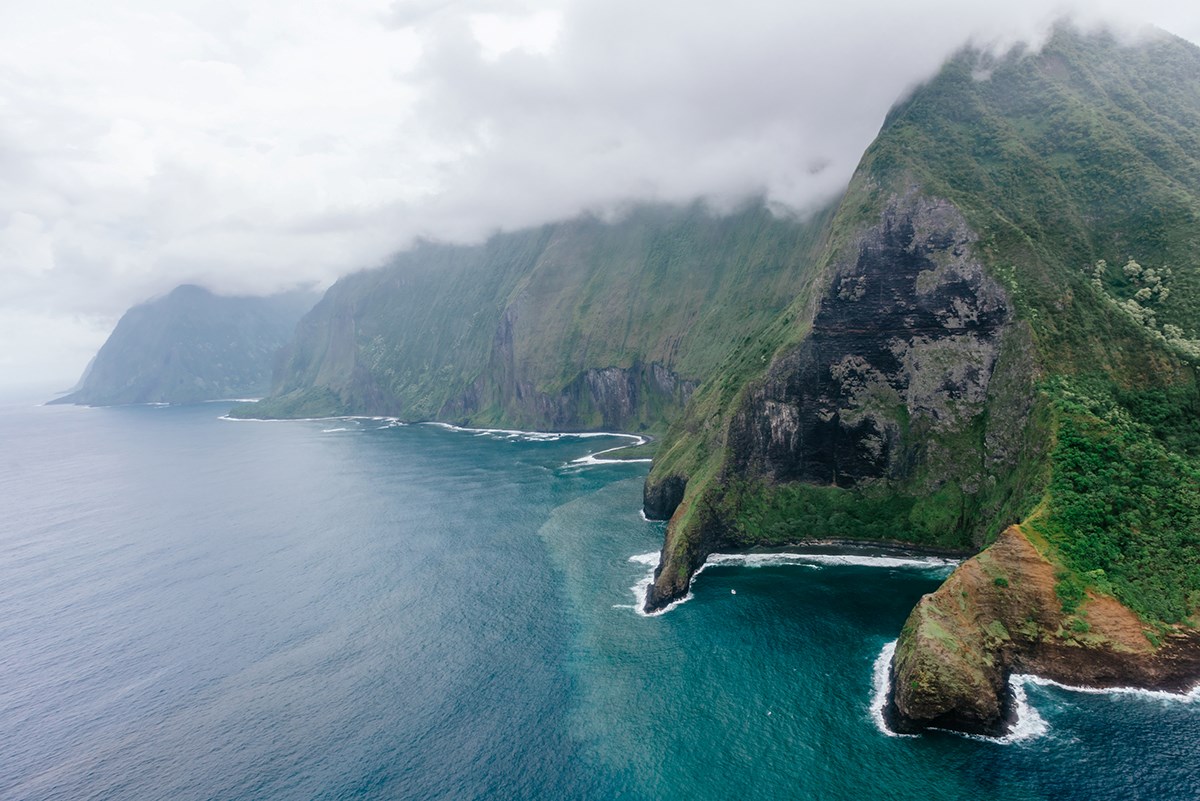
(662, 285)
(1084, 152)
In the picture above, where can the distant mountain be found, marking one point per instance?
(191, 345)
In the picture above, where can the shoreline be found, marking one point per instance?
(834, 546)
(890, 547)
(588, 460)
(816, 554)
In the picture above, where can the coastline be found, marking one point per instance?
(810, 553)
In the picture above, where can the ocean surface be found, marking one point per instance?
(198, 608)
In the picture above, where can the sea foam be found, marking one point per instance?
(809, 560)
(1029, 724)
(881, 675)
(535, 436)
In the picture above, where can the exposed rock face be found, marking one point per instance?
(660, 499)
(904, 342)
(999, 614)
(611, 398)
(914, 375)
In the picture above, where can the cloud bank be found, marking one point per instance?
(252, 146)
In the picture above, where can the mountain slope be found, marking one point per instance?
(190, 345)
(577, 325)
(977, 351)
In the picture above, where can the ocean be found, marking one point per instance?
(199, 608)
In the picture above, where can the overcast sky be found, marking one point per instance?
(250, 146)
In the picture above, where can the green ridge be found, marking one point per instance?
(1086, 151)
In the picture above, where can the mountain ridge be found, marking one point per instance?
(1050, 173)
(995, 329)
(577, 325)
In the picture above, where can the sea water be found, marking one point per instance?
(198, 608)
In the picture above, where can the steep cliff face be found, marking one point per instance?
(983, 345)
(579, 325)
(886, 395)
(191, 345)
(901, 351)
(614, 398)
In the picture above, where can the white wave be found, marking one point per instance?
(590, 460)
(593, 459)
(279, 419)
(536, 436)
(881, 675)
(809, 560)
(1189, 697)
(346, 418)
(650, 560)
(1029, 724)
(828, 559)
(335, 430)
(818, 560)
(233, 400)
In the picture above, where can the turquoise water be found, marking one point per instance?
(193, 608)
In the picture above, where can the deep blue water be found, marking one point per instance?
(193, 608)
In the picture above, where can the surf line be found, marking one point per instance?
(598, 458)
(1028, 723)
(813, 561)
(589, 460)
(389, 422)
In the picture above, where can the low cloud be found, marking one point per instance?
(253, 146)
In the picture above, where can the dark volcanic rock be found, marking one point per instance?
(895, 381)
(660, 499)
(904, 342)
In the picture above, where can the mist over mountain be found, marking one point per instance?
(191, 345)
(984, 343)
(250, 148)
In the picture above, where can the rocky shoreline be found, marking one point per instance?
(997, 616)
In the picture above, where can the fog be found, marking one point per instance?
(253, 146)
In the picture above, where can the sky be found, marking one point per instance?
(257, 145)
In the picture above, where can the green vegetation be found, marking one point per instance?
(1078, 167)
(1124, 500)
(1073, 175)
(521, 330)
